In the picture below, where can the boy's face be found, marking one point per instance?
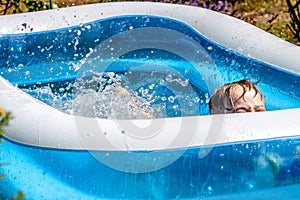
(250, 102)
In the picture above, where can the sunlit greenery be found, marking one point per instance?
(4, 119)
(294, 25)
(19, 6)
(269, 15)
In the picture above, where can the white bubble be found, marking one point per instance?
(151, 86)
(169, 78)
(175, 107)
(186, 70)
(171, 99)
(144, 92)
(183, 83)
(27, 73)
(20, 65)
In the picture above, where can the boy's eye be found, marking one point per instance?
(228, 110)
(241, 110)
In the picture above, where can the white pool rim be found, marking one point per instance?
(38, 124)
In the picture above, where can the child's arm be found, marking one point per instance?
(122, 90)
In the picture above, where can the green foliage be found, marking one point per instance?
(20, 195)
(294, 25)
(4, 119)
(10, 6)
(33, 5)
(19, 6)
(270, 15)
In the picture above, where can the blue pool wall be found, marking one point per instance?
(227, 169)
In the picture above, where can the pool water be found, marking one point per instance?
(171, 71)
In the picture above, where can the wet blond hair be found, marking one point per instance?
(222, 99)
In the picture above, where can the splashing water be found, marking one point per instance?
(143, 95)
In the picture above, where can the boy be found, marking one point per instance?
(237, 97)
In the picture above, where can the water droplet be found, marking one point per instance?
(151, 86)
(145, 92)
(78, 32)
(184, 83)
(20, 65)
(209, 48)
(209, 188)
(169, 78)
(171, 99)
(186, 70)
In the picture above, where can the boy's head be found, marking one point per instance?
(237, 97)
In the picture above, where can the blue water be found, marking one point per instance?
(56, 59)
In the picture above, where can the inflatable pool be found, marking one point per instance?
(72, 137)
